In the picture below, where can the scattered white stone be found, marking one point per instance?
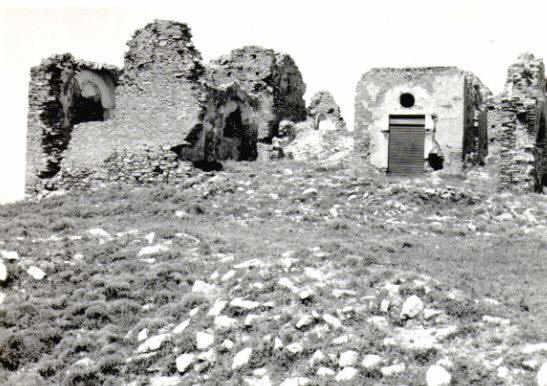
(228, 275)
(530, 364)
(2, 297)
(338, 293)
(207, 356)
(285, 282)
(36, 273)
(242, 358)
(250, 319)
(181, 327)
(412, 307)
(332, 321)
(180, 213)
(309, 192)
(288, 172)
(267, 338)
(200, 287)
(3, 271)
(346, 374)
(162, 380)
(495, 320)
(244, 304)
(204, 340)
(274, 196)
(9, 255)
(343, 339)
(228, 344)
(295, 348)
(379, 322)
(297, 381)
(502, 372)
(153, 343)
(84, 362)
(217, 308)
(313, 273)
(333, 212)
(437, 376)
(194, 311)
(253, 263)
(142, 335)
(184, 361)
(371, 361)
(317, 357)
(325, 372)
(150, 237)
(542, 375)
(388, 371)
(278, 344)
(430, 313)
(98, 232)
(305, 320)
(152, 250)
(348, 358)
(306, 294)
(534, 348)
(223, 322)
(384, 305)
(259, 381)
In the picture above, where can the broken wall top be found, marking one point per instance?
(525, 79)
(271, 76)
(162, 48)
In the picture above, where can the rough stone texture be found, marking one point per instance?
(272, 77)
(164, 114)
(323, 106)
(322, 142)
(517, 128)
(62, 92)
(448, 97)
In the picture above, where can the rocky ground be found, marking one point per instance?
(276, 274)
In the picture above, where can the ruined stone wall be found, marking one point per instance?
(439, 94)
(517, 127)
(61, 89)
(271, 77)
(322, 106)
(165, 114)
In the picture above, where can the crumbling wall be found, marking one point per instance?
(59, 87)
(322, 106)
(518, 127)
(475, 140)
(271, 77)
(438, 93)
(165, 115)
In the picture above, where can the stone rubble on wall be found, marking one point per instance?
(53, 93)
(272, 77)
(322, 105)
(165, 114)
(517, 127)
(323, 136)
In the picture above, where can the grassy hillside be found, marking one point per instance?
(306, 269)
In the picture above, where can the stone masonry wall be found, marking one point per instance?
(165, 114)
(518, 127)
(271, 77)
(55, 94)
(440, 95)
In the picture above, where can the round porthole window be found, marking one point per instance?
(407, 100)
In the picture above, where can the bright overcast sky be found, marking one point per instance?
(332, 42)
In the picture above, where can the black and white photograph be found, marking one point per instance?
(273, 193)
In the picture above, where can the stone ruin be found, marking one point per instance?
(408, 120)
(411, 120)
(517, 127)
(90, 124)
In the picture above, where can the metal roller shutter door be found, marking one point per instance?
(406, 144)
